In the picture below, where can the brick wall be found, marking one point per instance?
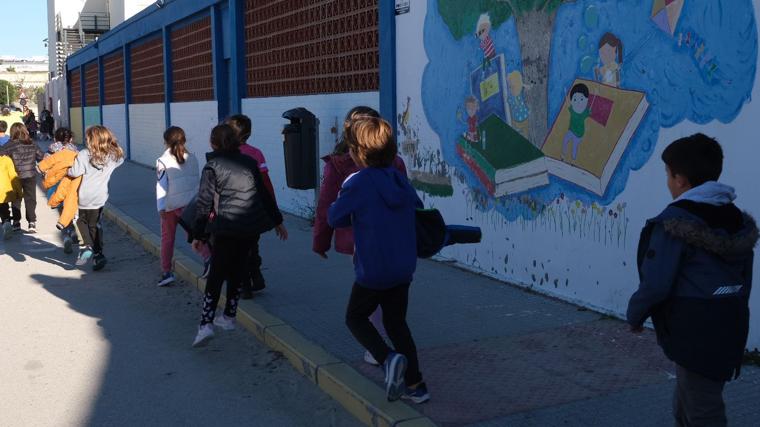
(192, 70)
(147, 60)
(75, 84)
(113, 79)
(91, 84)
(297, 47)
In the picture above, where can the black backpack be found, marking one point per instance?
(433, 233)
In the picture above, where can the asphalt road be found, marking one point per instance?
(109, 348)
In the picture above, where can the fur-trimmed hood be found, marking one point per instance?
(715, 240)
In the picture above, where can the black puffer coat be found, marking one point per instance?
(231, 187)
(24, 157)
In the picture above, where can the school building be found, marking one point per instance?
(543, 125)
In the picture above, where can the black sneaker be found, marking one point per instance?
(98, 262)
(206, 268)
(394, 367)
(16, 226)
(32, 227)
(418, 394)
(245, 289)
(258, 283)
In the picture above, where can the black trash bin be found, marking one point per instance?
(300, 147)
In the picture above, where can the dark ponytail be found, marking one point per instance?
(174, 137)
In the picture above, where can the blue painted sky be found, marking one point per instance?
(24, 24)
(677, 88)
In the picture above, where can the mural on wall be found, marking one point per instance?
(543, 107)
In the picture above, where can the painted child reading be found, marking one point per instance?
(579, 112)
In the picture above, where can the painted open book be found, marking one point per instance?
(610, 122)
(503, 160)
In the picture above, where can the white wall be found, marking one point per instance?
(147, 123)
(536, 253)
(121, 10)
(266, 115)
(196, 119)
(114, 118)
(56, 89)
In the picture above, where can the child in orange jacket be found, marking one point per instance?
(55, 165)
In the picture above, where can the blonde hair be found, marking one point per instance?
(19, 132)
(484, 24)
(102, 145)
(370, 140)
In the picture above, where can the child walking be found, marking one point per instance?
(10, 191)
(94, 164)
(25, 155)
(62, 189)
(338, 166)
(177, 184)
(232, 187)
(254, 280)
(3, 137)
(695, 266)
(379, 202)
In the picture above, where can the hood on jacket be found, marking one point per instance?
(716, 241)
(711, 192)
(394, 188)
(721, 229)
(343, 163)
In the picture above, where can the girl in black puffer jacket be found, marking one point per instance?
(231, 187)
(25, 155)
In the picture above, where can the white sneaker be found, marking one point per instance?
(224, 322)
(205, 333)
(370, 359)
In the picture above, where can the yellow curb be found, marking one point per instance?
(417, 422)
(254, 318)
(186, 269)
(304, 355)
(357, 394)
(363, 398)
(152, 243)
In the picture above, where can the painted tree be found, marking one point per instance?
(534, 20)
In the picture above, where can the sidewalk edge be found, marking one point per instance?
(356, 393)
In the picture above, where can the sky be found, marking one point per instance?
(27, 17)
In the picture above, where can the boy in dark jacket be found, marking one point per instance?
(695, 267)
(379, 203)
(25, 155)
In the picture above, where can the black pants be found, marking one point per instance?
(253, 263)
(394, 302)
(228, 256)
(29, 186)
(5, 212)
(89, 226)
(698, 401)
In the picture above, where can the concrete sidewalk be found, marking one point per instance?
(492, 354)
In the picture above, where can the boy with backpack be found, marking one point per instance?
(379, 203)
(695, 266)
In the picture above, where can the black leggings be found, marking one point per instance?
(228, 263)
(90, 228)
(5, 212)
(394, 302)
(29, 186)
